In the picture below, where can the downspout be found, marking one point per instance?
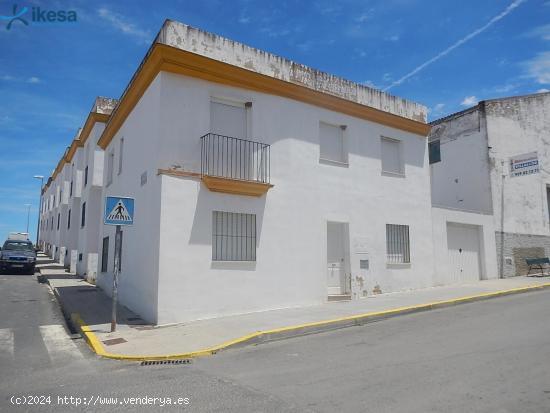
(501, 275)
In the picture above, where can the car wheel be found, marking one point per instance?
(31, 270)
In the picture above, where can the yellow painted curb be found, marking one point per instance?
(98, 348)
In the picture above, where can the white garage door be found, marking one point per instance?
(464, 253)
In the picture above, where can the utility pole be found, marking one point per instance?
(118, 211)
(118, 245)
(28, 215)
(39, 208)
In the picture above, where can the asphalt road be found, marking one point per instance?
(489, 356)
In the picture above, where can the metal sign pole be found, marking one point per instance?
(118, 239)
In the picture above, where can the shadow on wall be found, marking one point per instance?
(207, 203)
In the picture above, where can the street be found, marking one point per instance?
(488, 356)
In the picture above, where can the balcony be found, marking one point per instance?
(235, 166)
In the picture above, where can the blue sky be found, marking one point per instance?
(444, 54)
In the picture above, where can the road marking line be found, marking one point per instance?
(60, 347)
(6, 341)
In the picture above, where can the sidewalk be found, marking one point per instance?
(90, 310)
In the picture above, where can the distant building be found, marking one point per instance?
(494, 160)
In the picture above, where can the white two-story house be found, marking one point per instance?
(259, 183)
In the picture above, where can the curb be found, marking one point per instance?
(67, 317)
(296, 330)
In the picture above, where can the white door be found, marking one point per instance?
(464, 253)
(334, 280)
(336, 257)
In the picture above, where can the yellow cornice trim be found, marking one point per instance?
(170, 59)
(91, 120)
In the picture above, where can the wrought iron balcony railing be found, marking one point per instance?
(235, 158)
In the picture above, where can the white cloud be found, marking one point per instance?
(393, 38)
(538, 68)
(371, 84)
(508, 87)
(438, 108)
(542, 31)
(543, 90)
(33, 79)
(119, 23)
(365, 16)
(244, 18)
(469, 101)
(459, 43)
(275, 32)
(7, 78)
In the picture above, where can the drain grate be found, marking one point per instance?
(163, 362)
(114, 341)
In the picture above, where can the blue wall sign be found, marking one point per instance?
(118, 211)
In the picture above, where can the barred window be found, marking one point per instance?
(397, 244)
(233, 236)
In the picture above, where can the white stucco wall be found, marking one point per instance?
(461, 180)
(440, 218)
(88, 236)
(139, 275)
(291, 219)
(517, 126)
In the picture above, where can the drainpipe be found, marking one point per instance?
(502, 222)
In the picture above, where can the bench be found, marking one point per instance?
(537, 263)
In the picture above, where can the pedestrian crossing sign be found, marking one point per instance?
(119, 211)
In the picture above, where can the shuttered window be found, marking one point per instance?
(83, 215)
(397, 244)
(331, 143)
(233, 236)
(392, 160)
(434, 151)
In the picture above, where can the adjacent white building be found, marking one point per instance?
(489, 167)
(72, 198)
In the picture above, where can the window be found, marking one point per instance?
(331, 143)
(69, 219)
(105, 254)
(58, 219)
(392, 160)
(434, 151)
(120, 151)
(83, 215)
(110, 166)
(233, 236)
(397, 244)
(86, 175)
